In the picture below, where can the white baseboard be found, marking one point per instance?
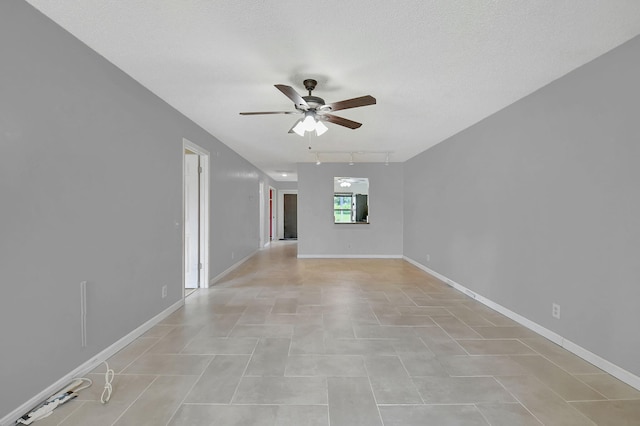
(616, 371)
(11, 418)
(218, 277)
(349, 256)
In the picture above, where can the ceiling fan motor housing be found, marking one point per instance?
(314, 101)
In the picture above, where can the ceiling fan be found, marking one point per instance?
(315, 110)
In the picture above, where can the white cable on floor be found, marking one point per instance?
(64, 395)
(108, 378)
(88, 382)
(71, 391)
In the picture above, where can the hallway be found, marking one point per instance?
(345, 342)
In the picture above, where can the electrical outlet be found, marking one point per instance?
(233, 255)
(428, 257)
(555, 310)
(164, 291)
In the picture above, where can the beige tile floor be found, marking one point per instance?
(288, 342)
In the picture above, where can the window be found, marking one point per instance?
(350, 200)
(343, 207)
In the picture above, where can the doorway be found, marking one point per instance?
(195, 217)
(290, 210)
(272, 213)
(262, 201)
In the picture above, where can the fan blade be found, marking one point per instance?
(340, 121)
(270, 112)
(290, 93)
(352, 103)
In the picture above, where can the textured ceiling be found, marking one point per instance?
(435, 67)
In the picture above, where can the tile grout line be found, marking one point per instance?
(553, 392)
(244, 372)
(137, 357)
(482, 414)
(565, 370)
(517, 399)
(411, 377)
(186, 394)
(373, 394)
(71, 413)
(134, 401)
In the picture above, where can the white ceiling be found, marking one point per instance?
(435, 67)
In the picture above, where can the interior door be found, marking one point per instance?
(192, 220)
(290, 216)
(362, 209)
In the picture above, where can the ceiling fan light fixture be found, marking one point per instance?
(309, 123)
(320, 128)
(299, 128)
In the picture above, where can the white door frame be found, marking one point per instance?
(281, 210)
(262, 215)
(204, 212)
(192, 220)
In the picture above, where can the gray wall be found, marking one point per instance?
(537, 204)
(540, 204)
(319, 236)
(286, 185)
(91, 189)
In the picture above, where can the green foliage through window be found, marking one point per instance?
(343, 208)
